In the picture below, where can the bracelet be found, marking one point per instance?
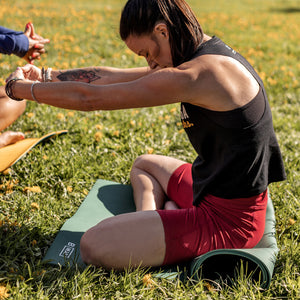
(8, 89)
(43, 74)
(32, 94)
(46, 75)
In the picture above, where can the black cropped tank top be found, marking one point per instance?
(238, 153)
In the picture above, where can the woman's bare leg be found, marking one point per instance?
(171, 205)
(10, 110)
(127, 240)
(134, 239)
(149, 177)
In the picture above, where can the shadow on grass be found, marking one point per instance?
(286, 10)
(22, 249)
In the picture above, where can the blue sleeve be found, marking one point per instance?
(13, 42)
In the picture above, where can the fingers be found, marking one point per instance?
(34, 56)
(41, 40)
(28, 57)
(33, 35)
(31, 72)
(29, 68)
(28, 30)
(39, 48)
(16, 74)
(37, 37)
(28, 72)
(36, 44)
(35, 52)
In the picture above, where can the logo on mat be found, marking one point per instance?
(67, 250)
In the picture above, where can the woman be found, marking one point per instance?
(183, 210)
(30, 47)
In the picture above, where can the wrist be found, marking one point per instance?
(10, 89)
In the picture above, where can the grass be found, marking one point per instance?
(105, 144)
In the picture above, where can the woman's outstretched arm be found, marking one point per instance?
(100, 75)
(93, 75)
(165, 86)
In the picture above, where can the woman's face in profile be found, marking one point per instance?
(155, 48)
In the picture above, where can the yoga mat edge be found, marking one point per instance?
(11, 154)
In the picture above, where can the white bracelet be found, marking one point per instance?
(32, 94)
(48, 74)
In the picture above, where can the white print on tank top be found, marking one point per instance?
(233, 51)
(184, 117)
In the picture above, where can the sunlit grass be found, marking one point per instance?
(44, 189)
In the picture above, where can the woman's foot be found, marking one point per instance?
(10, 137)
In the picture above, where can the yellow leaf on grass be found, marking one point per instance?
(292, 221)
(3, 292)
(35, 205)
(60, 116)
(116, 133)
(30, 115)
(150, 150)
(147, 280)
(98, 136)
(33, 189)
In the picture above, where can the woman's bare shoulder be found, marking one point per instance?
(219, 82)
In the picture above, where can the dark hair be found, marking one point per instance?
(140, 16)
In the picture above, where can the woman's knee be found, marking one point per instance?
(140, 164)
(141, 161)
(10, 111)
(87, 249)
(95, 248)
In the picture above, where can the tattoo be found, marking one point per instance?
(79, 75)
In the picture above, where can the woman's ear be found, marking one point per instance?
(162, 30)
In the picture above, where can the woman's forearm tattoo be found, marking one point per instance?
(79, 75)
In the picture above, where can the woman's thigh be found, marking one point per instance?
(217, 223)
(133, 239)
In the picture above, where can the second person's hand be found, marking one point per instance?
(36, 44)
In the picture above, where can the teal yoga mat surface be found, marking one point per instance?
(108, 198)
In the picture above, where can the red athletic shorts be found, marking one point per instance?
(215, 224)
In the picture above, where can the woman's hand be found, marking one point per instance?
(16, 74)
(28, 72)
(36, 44)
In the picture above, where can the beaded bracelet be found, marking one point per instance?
(9, 87)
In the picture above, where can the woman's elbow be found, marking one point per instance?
(86, 100)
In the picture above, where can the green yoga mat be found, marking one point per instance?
(108, 198)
